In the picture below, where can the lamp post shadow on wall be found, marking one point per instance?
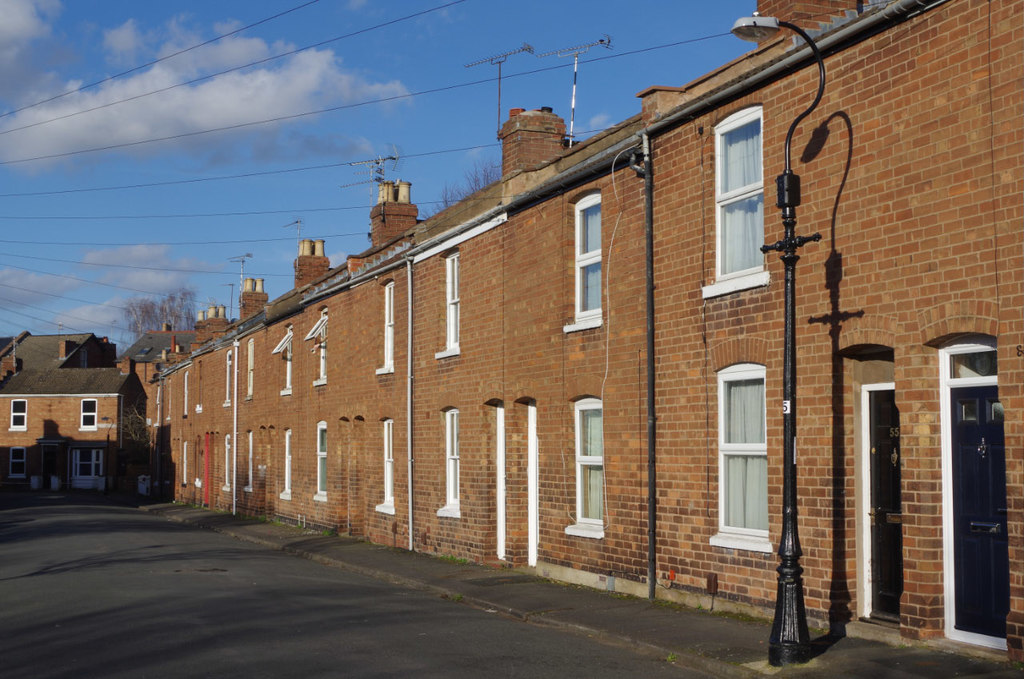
(789, 641)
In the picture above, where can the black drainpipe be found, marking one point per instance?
(652, 484)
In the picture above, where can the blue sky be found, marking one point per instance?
(132, 165)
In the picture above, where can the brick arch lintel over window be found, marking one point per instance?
(948, 320)
(858, 332)
(576, 197)
(583, 386)
(738, 350)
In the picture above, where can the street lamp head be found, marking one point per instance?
(755, 28)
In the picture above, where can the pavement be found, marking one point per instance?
(715, 644)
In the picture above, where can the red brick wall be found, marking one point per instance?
(917, 194)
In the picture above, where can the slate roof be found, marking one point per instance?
(147, 348)
(73, 381)
(39, 352)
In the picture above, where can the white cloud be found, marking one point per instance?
(124, 43)
(159, 272)
(24, 23)
(599, 122)
(310, 80)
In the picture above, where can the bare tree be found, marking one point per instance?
(483, 172)
(142, 314)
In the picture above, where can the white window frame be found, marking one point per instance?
(588, 527)
(286, 494)
(184, 463)
(228, 357)
(23, 461)
(250, 367)
(585, 318)
(388, 505)
(184, 400)
(754, 276)
(451, 464)
(82, 425)
(389, 330)
(321, 462)
(284, 347)
(248, 478)
(738, 537)
(452, 308)
(23, 415)
(319, 333)
(227, 462)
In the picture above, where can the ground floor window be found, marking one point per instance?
(17, 465)
(743, 459)
(88, 468)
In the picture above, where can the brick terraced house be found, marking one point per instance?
(72, 416)
(578, 369)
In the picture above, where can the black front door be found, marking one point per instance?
(885, 514)
(980, 547)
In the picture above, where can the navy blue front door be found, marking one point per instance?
(979, 512)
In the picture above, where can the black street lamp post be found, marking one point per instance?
(789, 641)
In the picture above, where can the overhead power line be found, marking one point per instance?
(244, 175)
(335, 109)
(155, 61)
(233, 69)
(137, 267)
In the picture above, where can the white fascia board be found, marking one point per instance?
(447, 243)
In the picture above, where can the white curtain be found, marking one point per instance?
(742, 230)
(746, 476)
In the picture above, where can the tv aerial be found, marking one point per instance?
(498, 60)
(376, 169)
(575, 53)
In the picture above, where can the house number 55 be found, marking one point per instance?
(786, 409)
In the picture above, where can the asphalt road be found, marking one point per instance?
(92, 589)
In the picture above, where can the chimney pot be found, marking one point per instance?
(318, 248)
(404, 191)
(247, 285)
(259, 285)
(166, 327)
(201, 316)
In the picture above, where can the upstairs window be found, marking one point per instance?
(228, 360)
(88, 420)
(588, 262)
(389, 329)
(739, 197)
(184, 400)
(318, 333)
(451, 314)
(19, 415)
(250, 368)
(284, 348)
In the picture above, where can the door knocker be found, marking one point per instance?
(983, 448)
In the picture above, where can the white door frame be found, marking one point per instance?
(500, 471)
(948, 382)
(864, 504)
(532, 485)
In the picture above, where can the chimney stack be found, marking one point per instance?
(65, 347)
(394, 213)
(311, 263)
(253, 298)
(529, 139)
